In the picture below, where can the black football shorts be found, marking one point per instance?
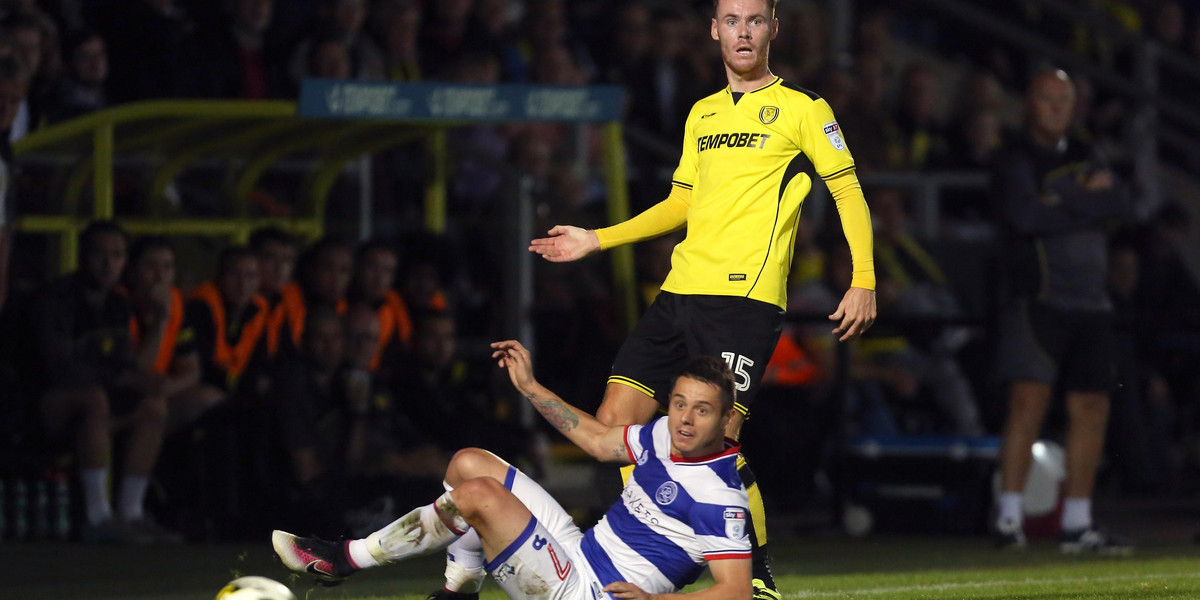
(1052, 345)
(677, 327)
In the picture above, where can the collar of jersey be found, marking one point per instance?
(732, 448)
(777, 80)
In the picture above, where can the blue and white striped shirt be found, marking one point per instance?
(674, 515)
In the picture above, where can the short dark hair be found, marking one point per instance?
(712, 371)
(771, 4)
(271, 235)
(230, 254)
(144, 244)
(94, 230)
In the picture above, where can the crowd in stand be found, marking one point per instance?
(342, 386)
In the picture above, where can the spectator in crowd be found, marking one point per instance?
(327, 58)
(913, 285)
(446, 390)
(14, 80)
(89, 386)
(242, 61)
(1055, 194)
(325, 271)
(375, 267)
(81, 90)
(229, 317)
(151, 44)
(24, 33)
(340, 24)
(873, 127)
(163, 340)
(447, 33)
(396, 25)
(801, 46)
(921, 142)
(276, 250)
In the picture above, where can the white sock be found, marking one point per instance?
(1077, 514)
(1010, 507)
(133, 497)
(95, 494)
(464, 564)
(419, 532)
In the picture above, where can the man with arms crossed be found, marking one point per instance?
(683, 509)
(750, 154)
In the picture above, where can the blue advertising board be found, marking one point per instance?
(341, 99)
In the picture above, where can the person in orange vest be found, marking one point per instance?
(276, 250)
(163, 341)
(230, 320)
(375, 266)
(325, 270)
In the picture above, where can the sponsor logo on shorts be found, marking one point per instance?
(666, 493)
(737, 276)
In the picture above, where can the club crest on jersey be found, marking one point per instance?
(834, 133)
(504, 572)
(666, 493)
(735, 523)
(768, 114)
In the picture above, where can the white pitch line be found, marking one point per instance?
(878, 591)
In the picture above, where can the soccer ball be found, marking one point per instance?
(253, 587)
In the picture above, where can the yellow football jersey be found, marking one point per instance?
(749, 165)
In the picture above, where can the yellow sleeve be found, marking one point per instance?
(856, 224)
(666, 216)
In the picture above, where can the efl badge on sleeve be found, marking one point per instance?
(768, 114)
(834, 133)
(735, 523)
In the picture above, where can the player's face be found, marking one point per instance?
(745, 29)
(1051, 105)
(695, 418)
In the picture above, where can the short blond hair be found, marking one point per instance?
(771, 4)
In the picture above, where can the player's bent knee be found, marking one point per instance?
(470, 463)
(472, 496)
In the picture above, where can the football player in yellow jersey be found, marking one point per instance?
(750, 153)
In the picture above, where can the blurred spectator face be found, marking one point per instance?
(555, 66)
(1051, 105)
(921, 96)
(398, 30)
(331, 272)
(888, 212)
(362, 336)
(275, 261)
(89, 62)
(377, 273)
(422, 284)
(347, 16)
(745, 29)
(325, 342)
(28, 44)
(12, 92)
(239, 281)
(330, 60)
(253, 16)
(983, 133)
(152, 274)
(981, 91)
(495, 15)
(104, 260)
(1122, 271)
(1168, 23)
(632, 32)
(434, 341)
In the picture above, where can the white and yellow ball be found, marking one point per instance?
(254, 587)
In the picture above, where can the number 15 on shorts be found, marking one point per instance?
(738, 364)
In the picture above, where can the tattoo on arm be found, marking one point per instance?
(556, 412)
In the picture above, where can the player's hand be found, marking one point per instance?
(511, 355)
(566, 243)
(855, 314)
(626, 590)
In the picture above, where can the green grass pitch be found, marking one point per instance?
(823, 566)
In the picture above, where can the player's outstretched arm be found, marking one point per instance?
(731, 581)
(855, 314)
(603, 442)
(566, 243)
